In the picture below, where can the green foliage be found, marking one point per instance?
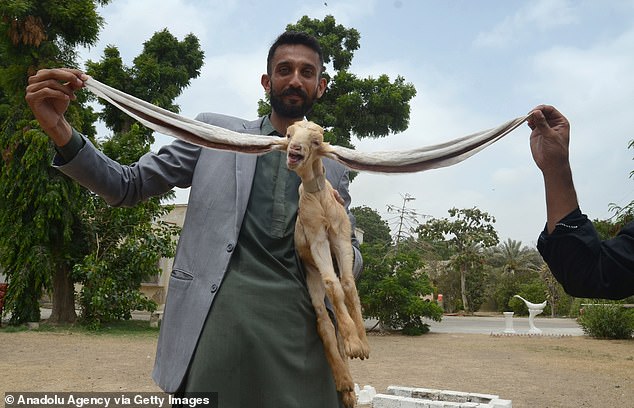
(159, 75)
(127, 243)
(607, 320)
(512, 266)
(446, 281)
(49, 224)
(375, 229)
(476, 285)
(466, 234)
(40, 231)
(129, 246)
(392, 288)
(370, 107)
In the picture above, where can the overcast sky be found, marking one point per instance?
(475, 65)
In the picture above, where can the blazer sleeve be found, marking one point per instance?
(586, 266)
(120, 185)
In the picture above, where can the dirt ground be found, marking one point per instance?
(530, 371)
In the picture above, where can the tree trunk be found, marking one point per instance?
(463, 288)
(63, 297)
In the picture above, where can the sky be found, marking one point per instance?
(474, 64)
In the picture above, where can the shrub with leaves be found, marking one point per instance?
(129, 243)
(608, 321)
(392, 289)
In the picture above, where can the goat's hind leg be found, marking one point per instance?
(320, 250)
(342, 249)
(326, 329)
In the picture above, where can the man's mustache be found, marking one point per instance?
(294, 92)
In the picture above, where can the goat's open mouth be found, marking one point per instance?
(293, 159)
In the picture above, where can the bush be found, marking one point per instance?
(392, 289)
(609, 321)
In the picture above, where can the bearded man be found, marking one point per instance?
(238, 320)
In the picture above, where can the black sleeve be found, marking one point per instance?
(585, 265)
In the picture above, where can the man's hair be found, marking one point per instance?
(295, 38)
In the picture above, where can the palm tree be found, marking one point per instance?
(513, 265)
(514, 259)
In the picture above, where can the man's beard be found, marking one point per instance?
(292, 111)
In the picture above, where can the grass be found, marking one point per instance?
(116, 328)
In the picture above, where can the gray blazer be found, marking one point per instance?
(220, 184)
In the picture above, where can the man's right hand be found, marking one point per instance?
(550, 138)
(48, 94)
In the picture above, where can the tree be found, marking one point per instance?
(159, 74)
(365, 107)
(512, 265)
(53, 232)
(375, 229)
(394, 282)
(513, 258)
(393, 286)
(40, 227)
(127, 243)
(467, 233)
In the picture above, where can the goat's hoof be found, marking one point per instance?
(356, 349)
(349, 398)
(365, 352)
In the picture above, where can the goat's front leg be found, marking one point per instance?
(320, 250)
(326, 330)
(342, 250)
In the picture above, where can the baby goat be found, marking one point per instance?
(321, 231)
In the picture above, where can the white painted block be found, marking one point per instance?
(500, 403)
(386, 401)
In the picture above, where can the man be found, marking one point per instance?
(238, 318)
(585, 266)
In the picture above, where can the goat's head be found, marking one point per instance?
(305, 144)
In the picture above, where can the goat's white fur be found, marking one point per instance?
(321, 231)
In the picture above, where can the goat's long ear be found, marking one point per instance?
(189, 130)
(425, 158)
(325, 149)
(215, 137)
(281, 144)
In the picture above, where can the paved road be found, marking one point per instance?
(472, 324)
(496, 324)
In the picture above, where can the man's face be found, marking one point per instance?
(294, 83)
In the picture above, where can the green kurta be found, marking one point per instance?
(259, 347)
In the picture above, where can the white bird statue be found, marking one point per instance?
(529, 305)
(533, 310)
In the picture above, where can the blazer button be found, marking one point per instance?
(214, 288)
(229, 247)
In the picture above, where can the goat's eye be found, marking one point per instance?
(288, 135)
(316, 142)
